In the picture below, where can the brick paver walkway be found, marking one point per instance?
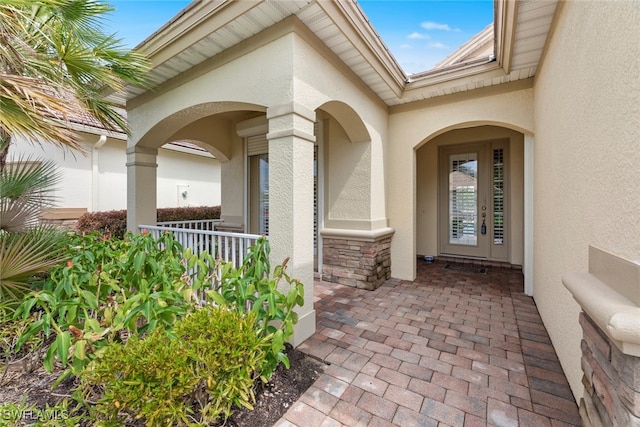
(449, 349)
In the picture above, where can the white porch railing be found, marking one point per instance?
(198, 224)
(230, 247)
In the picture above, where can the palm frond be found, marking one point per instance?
(56, 63)
(26, 188)
(18, 215)
(29, 111)
(30, 175)
(25, 255)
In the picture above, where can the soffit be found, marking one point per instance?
(342, 26)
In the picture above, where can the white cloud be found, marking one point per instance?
(438, 45)
(430, 25)
(418, 36)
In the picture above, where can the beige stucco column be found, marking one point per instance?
(141, 187)
(291, 201)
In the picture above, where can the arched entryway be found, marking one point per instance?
(469, 195)
(211, 126)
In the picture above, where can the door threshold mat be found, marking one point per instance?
(467, 268)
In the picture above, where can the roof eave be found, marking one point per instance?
(505, 19)
(189, 26)
(362, 34)
(202, 17)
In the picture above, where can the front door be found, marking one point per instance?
(472, 200)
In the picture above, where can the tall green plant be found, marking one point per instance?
(107, 291)
(272, 297)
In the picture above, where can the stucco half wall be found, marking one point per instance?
(509, 106)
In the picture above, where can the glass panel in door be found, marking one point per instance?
(473, 200)
(463, 199)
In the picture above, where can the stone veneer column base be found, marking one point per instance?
(609, 295)
(611, 380)
(357, 260)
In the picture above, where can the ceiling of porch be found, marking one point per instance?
(207, 28)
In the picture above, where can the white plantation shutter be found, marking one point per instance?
(498, 196)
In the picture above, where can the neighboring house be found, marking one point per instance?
(324, 139)
(97, 179)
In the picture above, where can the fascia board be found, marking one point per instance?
(78, 127)
(347, 16)
(455, 79)
(505, 19)
(195, 22)
(455, 72)
(186, 150)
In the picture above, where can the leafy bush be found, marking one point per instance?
(190, 213)
(108, 290)
(109, 223)
(114, 223)
(251, 288)
(135, 292)
(197, 376)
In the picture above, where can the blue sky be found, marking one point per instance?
(419, 33)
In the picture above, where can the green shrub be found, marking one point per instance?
(108, 290)
(252, 288)
(114, 223)
(109, 223)
(190, 213)
(199, 375)
(138, 288)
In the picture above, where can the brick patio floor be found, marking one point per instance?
(451, 348)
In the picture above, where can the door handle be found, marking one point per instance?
(483, 227)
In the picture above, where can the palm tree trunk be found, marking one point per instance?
(5, 141)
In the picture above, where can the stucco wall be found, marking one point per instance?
(233, 191)
(411, 126)
(199, 175)
(252, 78)
(427, 187)
(347, 185)
(587, 157)
(271, 70)
(319, 79)
(78, 190)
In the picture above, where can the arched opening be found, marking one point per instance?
(470, 195)
(211, 127)
(349, 120)
(346, 205)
